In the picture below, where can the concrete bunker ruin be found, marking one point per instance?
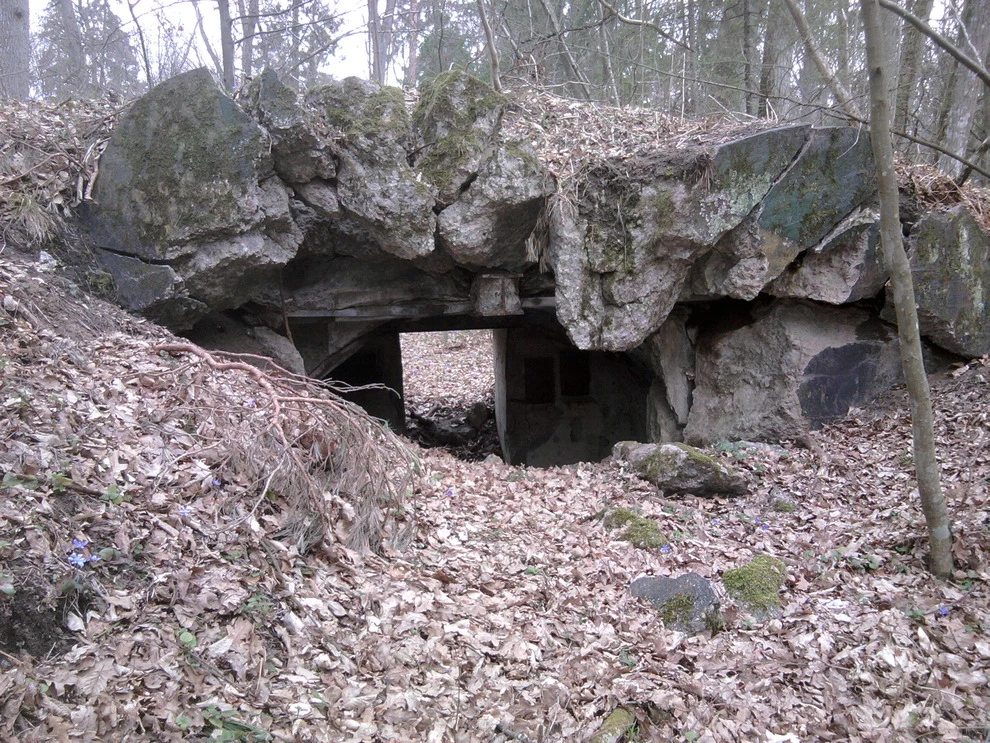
(721, 286)
(554, 404)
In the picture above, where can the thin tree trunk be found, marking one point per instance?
(490, 45)
(912, 46)
(411, 75)
(145, 57)
(609, 73)
(925, 462)
(15, 49)
(966, 88)
(217, 64)
(249, 24)
(768, 67)
(574, 70)
(226, 44)
(811, 48)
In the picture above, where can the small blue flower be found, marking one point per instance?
(943, 611)
(665, 549)
(765, 527)
(757, 521)
(251, 403)
(716, 522)
(216, 483)
(79, 543)
(77, 559)
(450, 492)
(185, 511)
(94, 558)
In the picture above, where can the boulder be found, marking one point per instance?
(831, 179)
(847, 270)
(315, 285)
(950, 264)
(622, 257)
(154, 291)
(302, 148)
(187, 180)
(488, 225)
(686, 603)
(798, 365)
(679, 469)
(225, 332)
(386, 206)
(458, 118)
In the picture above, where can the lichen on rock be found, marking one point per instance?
(680, 469)
(458, 117)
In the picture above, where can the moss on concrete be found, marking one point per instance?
(757, 583)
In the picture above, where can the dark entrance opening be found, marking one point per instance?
(512, 385)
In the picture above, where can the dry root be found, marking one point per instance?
(299, 441)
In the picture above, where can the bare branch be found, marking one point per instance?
(960, 56)
(644, 24)
(834, 84)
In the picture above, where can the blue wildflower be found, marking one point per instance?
(94, 558)
(251, 403)
(77, 559)
(450, 492)
(79, 543)
(765, 527)
(185, 511)
(757, 521)
(716, 522)
(216, 483)
(665, 549)
(943, 611)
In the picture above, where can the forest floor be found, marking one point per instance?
(153, 585)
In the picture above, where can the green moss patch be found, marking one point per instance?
(757, 583)
(678, 610)
(640, 532)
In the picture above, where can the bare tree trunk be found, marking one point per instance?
(966, 87)
(834, 84)
(226, 44)
(15, 49)
(145, 57)
(490, 45)
(574, 70)
(608, 72)
(249, 24)
(912, 46)
(925, 463)
(768, 68)
(411, 74)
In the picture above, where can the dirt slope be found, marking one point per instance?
(165, 575)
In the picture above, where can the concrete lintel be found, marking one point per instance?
(397, 312)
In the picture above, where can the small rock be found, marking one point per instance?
(686, 603)
(679, 468)
(477, 416)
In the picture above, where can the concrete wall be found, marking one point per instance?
(557, 405)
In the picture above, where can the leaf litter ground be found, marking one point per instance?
(154, 585)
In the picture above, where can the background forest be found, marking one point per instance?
(782, 60)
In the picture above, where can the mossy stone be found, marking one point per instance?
(757, 584)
